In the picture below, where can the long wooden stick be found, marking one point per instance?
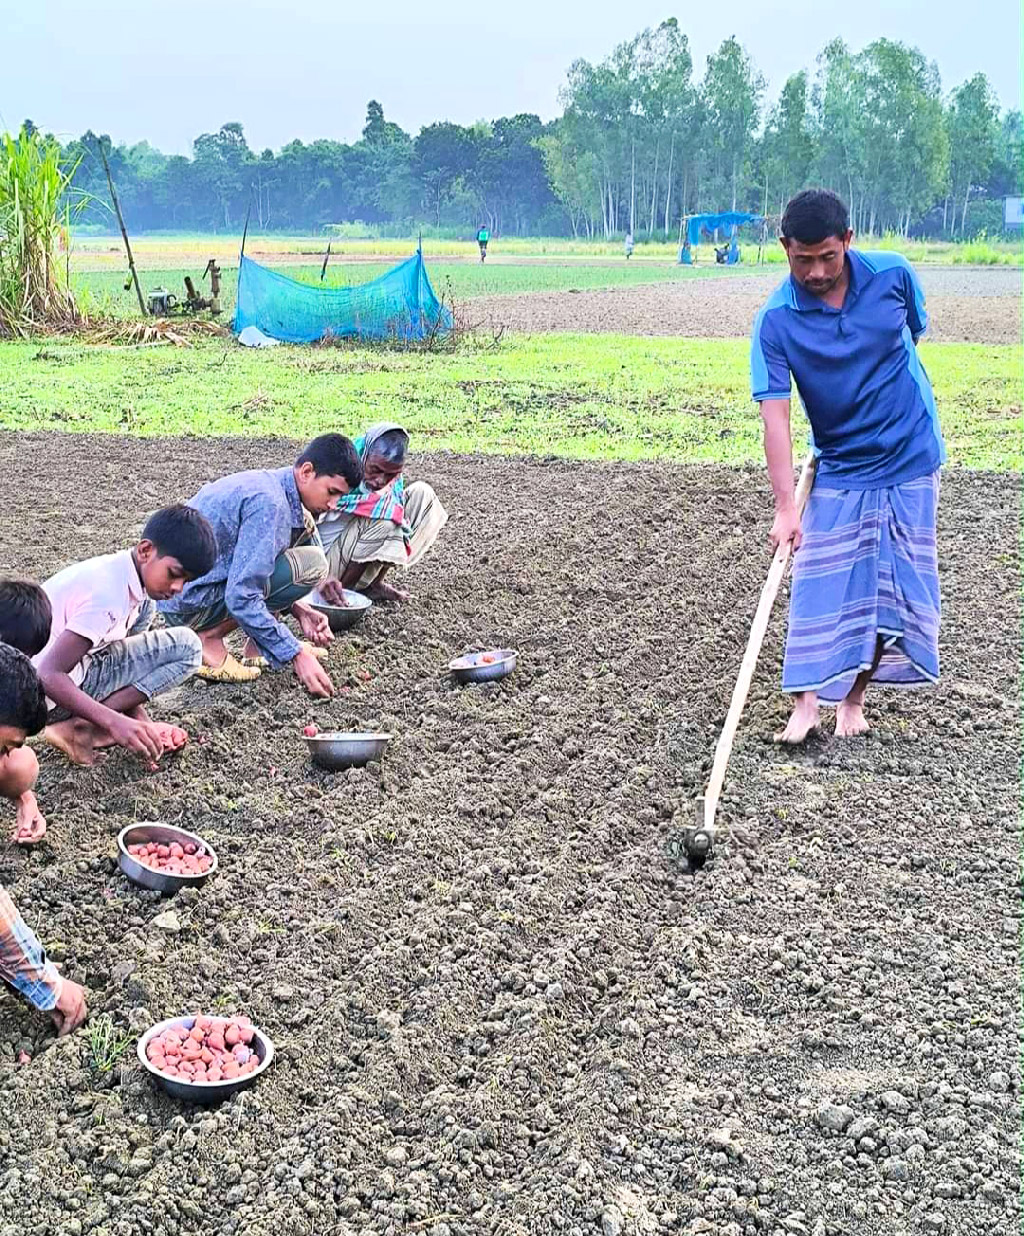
(124, 232)
(708, 805)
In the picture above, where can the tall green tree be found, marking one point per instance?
(902, 133)
(382, 168)
(1007, 174)
(837, 126)
(510, 175)
(664, 70)
(972, 125)
(788, 144)
(444, 155)
(220, 163)
(574, 175)
(732, 91)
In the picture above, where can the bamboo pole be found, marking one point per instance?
(708, 805)
(124, 231)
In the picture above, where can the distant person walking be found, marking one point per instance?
(629, 245)
(482, 237)
(865, 599)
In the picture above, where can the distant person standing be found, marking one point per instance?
(865, 599)
(629, 244)
(482, 237)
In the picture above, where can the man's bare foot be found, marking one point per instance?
(29, 824)
(79, 740)
(805, 719)
(379, 591)
(850, 719)
(214, 651)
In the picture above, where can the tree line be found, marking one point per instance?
(640, 143)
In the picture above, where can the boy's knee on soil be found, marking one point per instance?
(19, 770)
(190, 647)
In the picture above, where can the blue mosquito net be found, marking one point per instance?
(399, 305)
(696, 224)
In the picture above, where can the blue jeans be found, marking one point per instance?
(296, 573)
(150, 661)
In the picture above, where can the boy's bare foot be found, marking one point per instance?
(850, 719)
(804, 720)
(379, 591)
(79, 740)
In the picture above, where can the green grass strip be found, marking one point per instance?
(583, 396)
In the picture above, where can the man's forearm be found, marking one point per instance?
(275, 641)
(778, 451)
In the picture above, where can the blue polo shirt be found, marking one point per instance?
(865, 392)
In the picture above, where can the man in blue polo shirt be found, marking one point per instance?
(865, 598)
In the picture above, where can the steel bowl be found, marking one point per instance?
(339, 750)
(471, 666)
(204, 1092)
(164, 834)
(343, 617)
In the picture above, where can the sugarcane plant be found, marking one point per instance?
(37, 205)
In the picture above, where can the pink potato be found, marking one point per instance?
(213, 1049)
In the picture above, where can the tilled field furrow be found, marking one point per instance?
(501, 1004)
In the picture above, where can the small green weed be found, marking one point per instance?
(107, 1044)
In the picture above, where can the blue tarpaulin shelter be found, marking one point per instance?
(728, 219)
(401, 305)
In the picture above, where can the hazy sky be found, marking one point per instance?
(167, 71)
